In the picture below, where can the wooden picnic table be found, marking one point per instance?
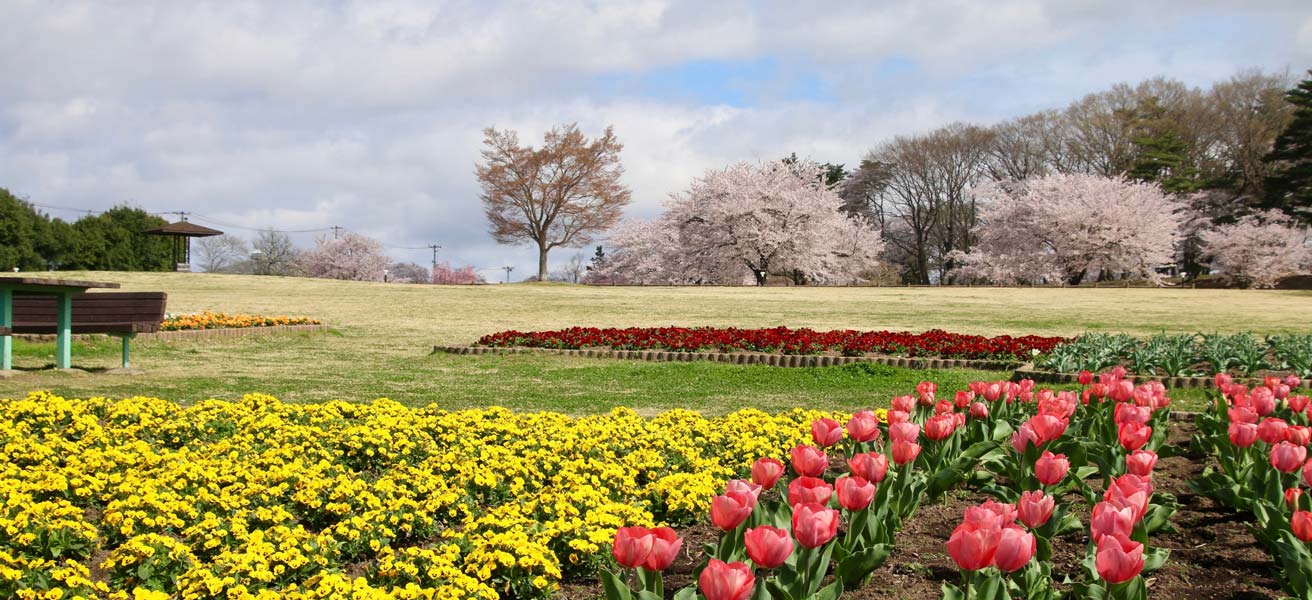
(63, 290)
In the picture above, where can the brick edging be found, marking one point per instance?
(191, 334)
(740, 358)
(1170, 382)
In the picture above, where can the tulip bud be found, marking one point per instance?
(870, 466)
(766, 472)
(826, 432)
(664, 549)
(1086, 377)
(1302, 525)
(979, 410)
(730, 510)
(904, 404)
(1035, 508)
(767, 546)
(1242, 435)
(905, 452)
(1051, 468)
(1015, 548)
(726, 581)
(809, 489)
(631, 546)
(1291, 497)
(964, 398)
(863, 426)
(1119, 559)
(814, 525)
(1141, 462)
(854, 493)
(809, 461)
(1133, 436)
(1297, 403)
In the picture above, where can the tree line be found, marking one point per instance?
(963, 202)
(31, 240)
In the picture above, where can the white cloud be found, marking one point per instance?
(303, 114)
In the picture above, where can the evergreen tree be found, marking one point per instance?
(1289, 187)
(20, 228)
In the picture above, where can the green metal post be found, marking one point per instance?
(127, 338)
(64, 331)
(6, 320)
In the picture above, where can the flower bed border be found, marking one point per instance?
(191, 334)
(1028, 371)
(742, 358)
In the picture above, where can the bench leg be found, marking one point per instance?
(127, 339)
(64, 331)
(6, 320)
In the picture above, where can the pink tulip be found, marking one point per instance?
(730, 510)
(1272, 430)
(814, 525)
(863, 426)
(809, 461)
(904, 404)
(1129, 413)
(1292, 380)
(1035, 508)
(897, 416)
(1141, 462)
(1024, 437)
(1302, 525)
(1291, 497)
(767, 546)
(1051, 468)
(1047, 427)
(631, 546)
(1243, 414)
(826, 432)
(938, 428)
(1242, 435)
(1121, 391)
(726, 581)
(1086, 377)
(809, 489)
(1015, 548)
(766, 472)
(1119, 559)
(664, 549)
(1109, 519)
(1307, 473)
(973, 547)
(1287, 458)
(992, 392)
(870, 466)
(744, 487)
(854, 493)
(979, 410)
(1132, 436)
(927, 389)
(1298, 435)
(905, 452)
(903, 432)
(1297, 403)
(1264, 400)
(963, 399)
(1222, 381)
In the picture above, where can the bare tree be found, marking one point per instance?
(555, 196)
(1024, 147)
(407, 272)
(572, 271)
(1246, 114)
(221, 251)
(273, 253)
(928, 194)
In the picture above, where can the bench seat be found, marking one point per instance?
(122, 314)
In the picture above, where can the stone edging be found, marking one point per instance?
(191, 334)
(1029, 372)
(740, 358)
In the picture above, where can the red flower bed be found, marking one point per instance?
(932, 343)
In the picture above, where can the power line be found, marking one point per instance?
(225, 224)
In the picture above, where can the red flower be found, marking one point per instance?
(814, 525)
(766, 472)
(767, 546)
(726, 581)
(809, 461)
(1119, 559)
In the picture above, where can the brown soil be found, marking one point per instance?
(1213, 554)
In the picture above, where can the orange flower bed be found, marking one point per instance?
(218, 320)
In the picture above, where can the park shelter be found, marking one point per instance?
(182, 232)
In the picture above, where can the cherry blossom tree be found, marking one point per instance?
(744, 222)
(1258, 250)
(351, 256)
(445, 274)
(1072, 228)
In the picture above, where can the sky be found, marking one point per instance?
(302, 115)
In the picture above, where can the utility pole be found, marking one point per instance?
(508, 270)
(335, 229)
(435, 248)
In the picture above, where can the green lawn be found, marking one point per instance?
(385, 332)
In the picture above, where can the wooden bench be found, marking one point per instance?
(120, 314)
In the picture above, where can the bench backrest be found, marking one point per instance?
(132, 312)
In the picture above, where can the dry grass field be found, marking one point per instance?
(384, 333)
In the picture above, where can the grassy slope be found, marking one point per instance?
(385, 333)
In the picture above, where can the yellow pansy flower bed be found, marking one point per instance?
(218, 320)
(144, 498)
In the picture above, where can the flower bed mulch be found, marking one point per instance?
(745, 358)
(1213, 555)
(934, 343)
